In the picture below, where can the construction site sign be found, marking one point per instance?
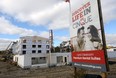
(87, 35)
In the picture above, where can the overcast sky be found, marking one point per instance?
(36, 17)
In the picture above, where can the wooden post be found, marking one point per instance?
(75, 72)
(104, 75)
(103, 35)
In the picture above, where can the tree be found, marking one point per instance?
(57, 49)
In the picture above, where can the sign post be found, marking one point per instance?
(87, 35)
(104, 74)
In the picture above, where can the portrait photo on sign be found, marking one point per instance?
(88, 38)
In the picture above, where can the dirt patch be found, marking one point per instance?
(10, 71)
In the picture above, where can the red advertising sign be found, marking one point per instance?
(93, 57)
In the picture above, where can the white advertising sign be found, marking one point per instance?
(86, 35)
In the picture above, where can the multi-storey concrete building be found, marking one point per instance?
(31, 50)
(31, 45)
(34, 51)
